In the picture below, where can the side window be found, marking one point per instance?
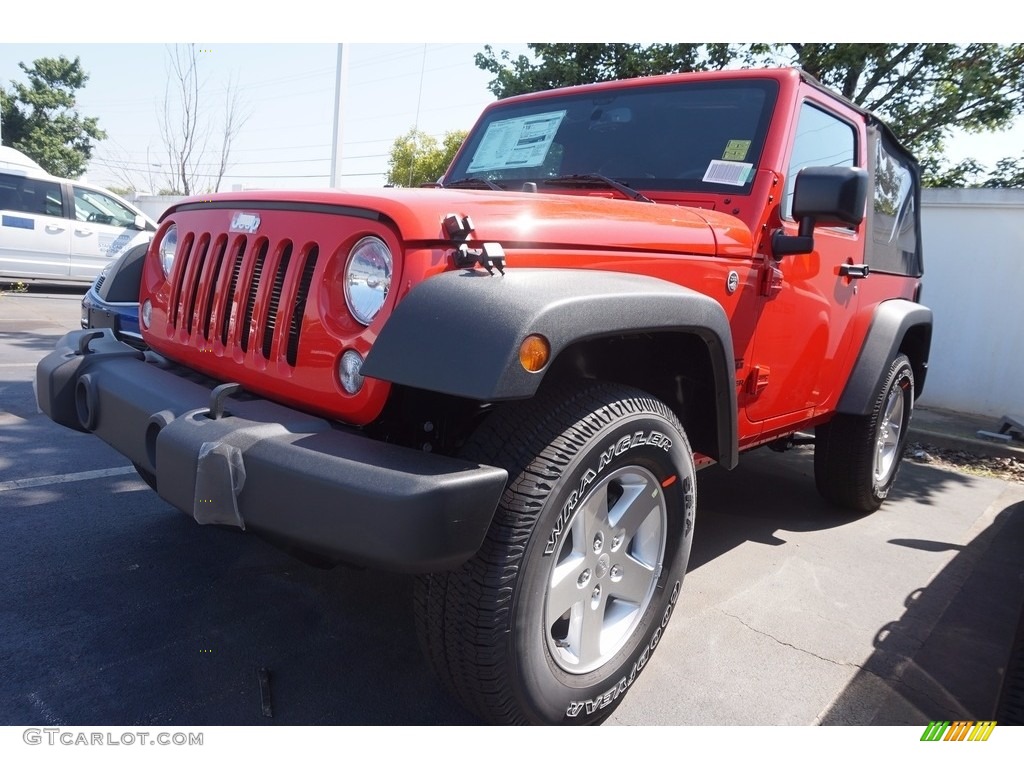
(821, 139)
(894, 244)
(101, 209)
(25, 195)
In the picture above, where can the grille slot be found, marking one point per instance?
(192, 290)
(254, 286)
(299, 308)
(181, 265)
(275, 300)
(230, 307)
(220, 247)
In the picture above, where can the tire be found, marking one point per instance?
(856, 458)
(570, 593)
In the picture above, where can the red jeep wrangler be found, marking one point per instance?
(505, 383)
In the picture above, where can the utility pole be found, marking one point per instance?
(339, 91)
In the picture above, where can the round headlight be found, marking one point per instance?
(367, 278)
(168, 245)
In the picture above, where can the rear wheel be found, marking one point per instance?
(560, 610)
(856, 457)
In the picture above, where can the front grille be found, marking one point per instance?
(236, 289)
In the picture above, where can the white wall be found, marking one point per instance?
(154, 205)
(974, 283)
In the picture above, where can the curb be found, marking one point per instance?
(967, 444)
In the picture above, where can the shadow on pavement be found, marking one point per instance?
(121, 611)
(118, 610)
(30, 340)
(944, 658)
(746, 504)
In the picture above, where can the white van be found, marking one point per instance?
(57, 230)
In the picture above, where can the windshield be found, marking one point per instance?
(698, 136)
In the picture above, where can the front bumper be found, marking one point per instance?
(121, 317)
(294, 478)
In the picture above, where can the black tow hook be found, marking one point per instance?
(217, 397)
(85, 338)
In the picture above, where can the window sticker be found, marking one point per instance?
(736, 149)
(519, 142)
(728, 172)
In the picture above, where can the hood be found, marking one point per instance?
(532, 220)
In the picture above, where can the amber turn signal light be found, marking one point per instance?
(534, 352)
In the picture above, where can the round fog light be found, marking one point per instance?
(147, 313)
(349, 371)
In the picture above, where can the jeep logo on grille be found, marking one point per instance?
(245, 222)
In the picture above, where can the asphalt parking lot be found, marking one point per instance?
(118, 610)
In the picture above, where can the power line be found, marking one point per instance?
(138, 165)
(254, 176)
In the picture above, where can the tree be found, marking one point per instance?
(563, 64)
(417, 158)
(125, 192)
(186, 127)
(40, 118)
(922, 90)
(1008, 172)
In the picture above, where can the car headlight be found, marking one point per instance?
(367, 278)
(168, 245)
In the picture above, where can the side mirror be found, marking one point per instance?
(140, 222)
(825, 196)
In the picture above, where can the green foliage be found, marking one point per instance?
(923, 91)
(563, 64)
(16, 287)
(124, 192)
(1008, 172)
(40, 119)
(417, 158)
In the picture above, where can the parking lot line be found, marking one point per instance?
(73, 477)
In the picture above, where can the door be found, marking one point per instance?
(801, 342)
(35, 238)
(103, 229)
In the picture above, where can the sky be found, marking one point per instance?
(287, 89)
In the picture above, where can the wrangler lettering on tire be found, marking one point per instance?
(576, 581)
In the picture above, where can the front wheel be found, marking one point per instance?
(856, 457)
(571, 591)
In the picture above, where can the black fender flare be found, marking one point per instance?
(891, 328)
(459, 333)
(125, 276)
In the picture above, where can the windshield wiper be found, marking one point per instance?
(473, 182)
(587, 179)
